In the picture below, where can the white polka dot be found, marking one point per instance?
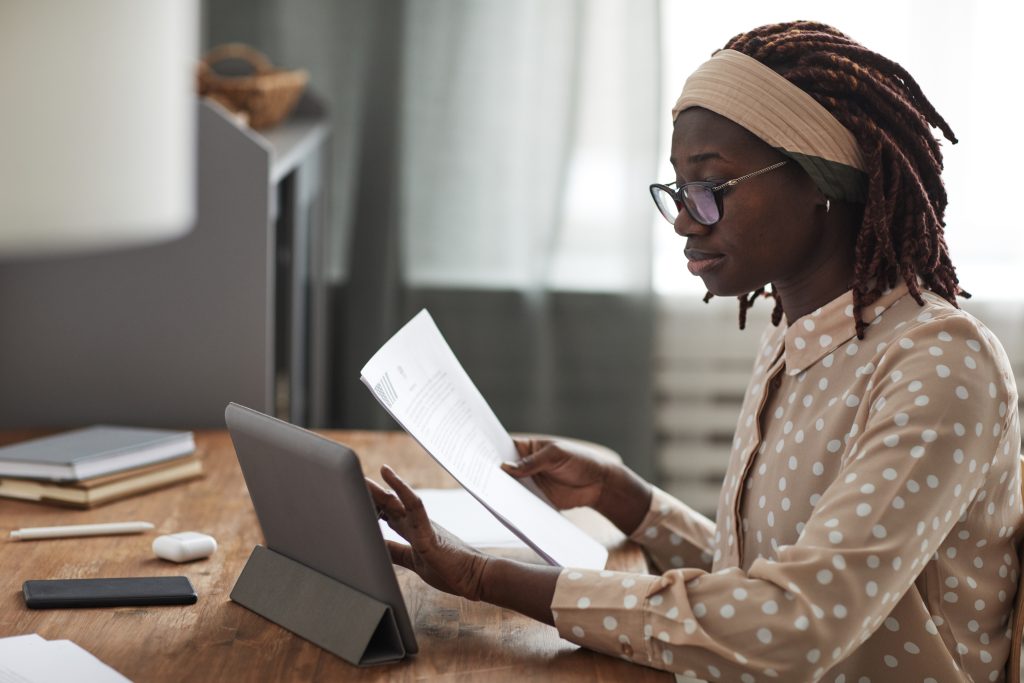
(921, 401)
(839, 611)
(901, 419)
(942, 370)
(813, 655)
(628, 582)
(802, 623)
(809, 325)
(574, 576)
(852, 401)
(836, 537)
(871, 588)
(818, 469)
(833, 446)
(863, 510)
(906, 343)
(851, 349)
(727, 611)
(770, 607)
(824, 577)
(889, 473)
(630, 601)
(666, 656)
(578, 631)
(740, 593)
(583, 603)
(970, 363)
(799, 342)
(611, 623)
(764, 635)
(891, 440)
(878, 531)
(917, 452)
(664, 636)
(891, 661)
(824, 340)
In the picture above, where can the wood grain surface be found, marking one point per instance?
(218, 640)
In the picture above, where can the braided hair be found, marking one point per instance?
(901, 232)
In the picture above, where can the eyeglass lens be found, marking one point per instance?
(699, 200)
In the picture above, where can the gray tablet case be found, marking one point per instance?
(325, 574)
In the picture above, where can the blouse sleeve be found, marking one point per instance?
(675, 535)
(905, 480)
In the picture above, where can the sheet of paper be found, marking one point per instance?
(460, 513)
(417, 379)
(33, 659)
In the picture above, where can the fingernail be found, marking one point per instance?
(513, 465)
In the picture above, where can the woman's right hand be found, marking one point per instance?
(571, 475)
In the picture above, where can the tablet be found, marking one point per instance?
(313, 506)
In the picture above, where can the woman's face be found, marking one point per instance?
(772, 226)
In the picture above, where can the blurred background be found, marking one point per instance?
(488, 161)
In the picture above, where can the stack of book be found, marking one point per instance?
(88, 467)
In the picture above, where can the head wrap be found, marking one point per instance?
(747, 92)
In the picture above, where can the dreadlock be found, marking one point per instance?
(901, 233)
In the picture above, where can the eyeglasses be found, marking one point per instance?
(702, 198)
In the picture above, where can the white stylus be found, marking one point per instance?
(80, 530)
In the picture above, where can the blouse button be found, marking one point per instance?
(627, 650)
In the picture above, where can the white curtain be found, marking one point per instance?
(528, 139)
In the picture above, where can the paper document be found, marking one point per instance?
(417, 379)
(460, 513)
(33, 659)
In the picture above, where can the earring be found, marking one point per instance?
(828, 205)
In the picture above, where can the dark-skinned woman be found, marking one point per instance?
(869, 518)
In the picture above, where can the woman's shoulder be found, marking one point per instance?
(940, 340)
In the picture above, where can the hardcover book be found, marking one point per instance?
(92, 452)
(105, 489)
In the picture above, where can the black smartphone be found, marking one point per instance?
(118, 592)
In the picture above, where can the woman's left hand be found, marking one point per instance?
(440, 559)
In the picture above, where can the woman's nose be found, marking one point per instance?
(685, 226)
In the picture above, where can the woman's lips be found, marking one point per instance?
(699, 262)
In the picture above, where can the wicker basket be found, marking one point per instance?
(263, 98)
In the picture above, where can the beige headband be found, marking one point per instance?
(747, 92)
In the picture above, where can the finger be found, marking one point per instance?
(401, 554)
(411, 501)
(385, 500)
(543, 460)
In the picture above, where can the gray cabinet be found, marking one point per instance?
(167, 335)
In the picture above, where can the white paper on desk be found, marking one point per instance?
(460, 513)
(417, 379)
(33, 659)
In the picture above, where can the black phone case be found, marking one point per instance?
(119, 592)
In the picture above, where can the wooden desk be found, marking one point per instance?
(218, 640)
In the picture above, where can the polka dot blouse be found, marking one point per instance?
(867, 525)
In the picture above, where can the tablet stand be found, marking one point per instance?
(340, 619)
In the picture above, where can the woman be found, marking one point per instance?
(868, 522)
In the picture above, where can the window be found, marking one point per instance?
(967, 65)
